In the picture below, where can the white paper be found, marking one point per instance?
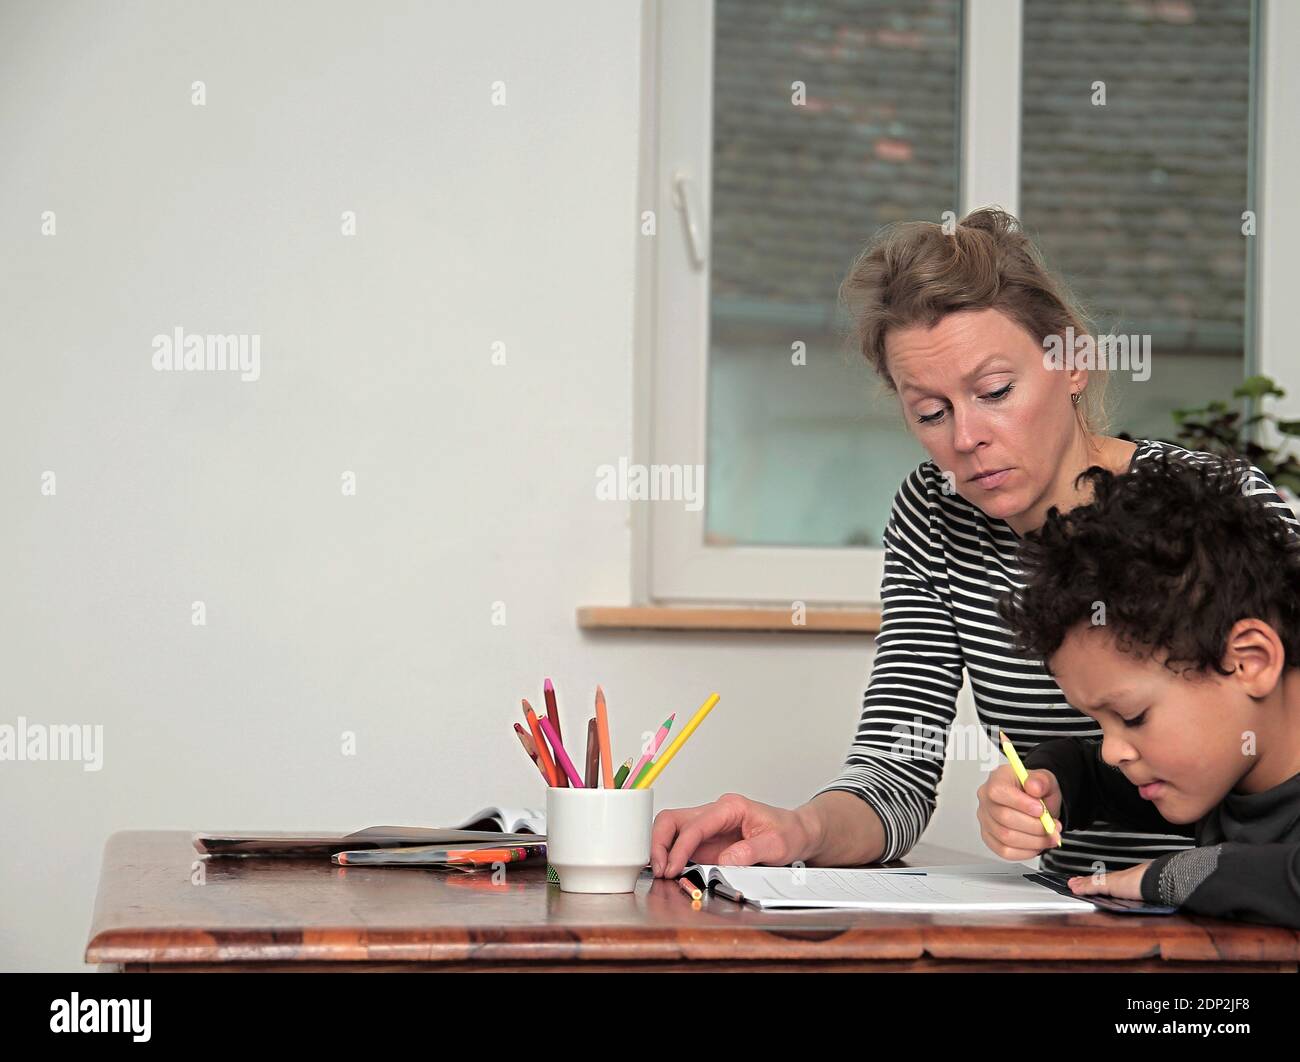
(973, 887)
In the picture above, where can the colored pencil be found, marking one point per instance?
(602, 732)
(526, 741)
(531, 749)
(643, 764)
(647, 780)
(433, 855)
(548, 766)
(623, 772)
(561, 757)
(1049, 826)
(553, 714)
(497, 855)
(591, 778)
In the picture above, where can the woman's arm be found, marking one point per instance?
(846, 830)
(894, 765)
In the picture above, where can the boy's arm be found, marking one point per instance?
(1248, 882)
(1093, 791)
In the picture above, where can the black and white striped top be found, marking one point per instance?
(946, 562)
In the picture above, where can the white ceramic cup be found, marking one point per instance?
(598, 840)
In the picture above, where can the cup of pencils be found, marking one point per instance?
(598, 840)
(598, 822)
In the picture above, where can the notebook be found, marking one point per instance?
(500, 825)
(970, 887)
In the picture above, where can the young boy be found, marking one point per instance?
(1168, 610)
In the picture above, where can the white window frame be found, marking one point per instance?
(672, 563)
(1277, 160)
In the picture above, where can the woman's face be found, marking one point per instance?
(978, 395)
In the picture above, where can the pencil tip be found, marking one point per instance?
(547, 685)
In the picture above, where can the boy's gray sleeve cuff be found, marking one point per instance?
(1171, 879)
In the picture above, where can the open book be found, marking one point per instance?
(507, 820)
(972, 887)
(494, 824)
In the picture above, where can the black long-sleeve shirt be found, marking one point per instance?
(1246, 863)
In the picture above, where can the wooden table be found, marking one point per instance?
(299, 914)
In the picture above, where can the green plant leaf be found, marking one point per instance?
(1258, 387)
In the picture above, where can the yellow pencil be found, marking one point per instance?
(664, 757)
(1021, 774)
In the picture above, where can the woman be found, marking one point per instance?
(955, 326)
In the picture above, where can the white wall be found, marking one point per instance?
(475, 482)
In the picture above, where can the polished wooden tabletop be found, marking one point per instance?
(161, 905)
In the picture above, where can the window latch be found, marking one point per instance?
(683, 199)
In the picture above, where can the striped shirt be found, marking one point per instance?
(946, 563)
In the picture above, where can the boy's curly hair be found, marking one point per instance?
(1177, 554)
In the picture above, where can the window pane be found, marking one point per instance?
(1138, 200)
(811, 454)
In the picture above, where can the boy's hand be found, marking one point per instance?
(1126, 884)
(1010, 818)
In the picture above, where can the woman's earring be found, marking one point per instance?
(1074, 397)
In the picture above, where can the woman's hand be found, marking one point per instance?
(1126, 884)
(1011, 819)
(733, 831)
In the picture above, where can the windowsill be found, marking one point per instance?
(723, 618)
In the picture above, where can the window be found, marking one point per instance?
(829, 120)
(1135, 173)
(779, 137)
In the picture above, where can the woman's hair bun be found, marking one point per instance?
(991, 220)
